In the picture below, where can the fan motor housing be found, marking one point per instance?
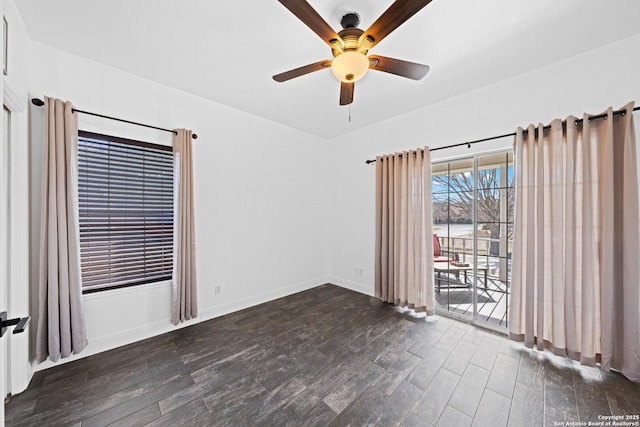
(351, 39)
(351, 35)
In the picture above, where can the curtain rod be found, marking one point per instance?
(468, 144)
(39, 103)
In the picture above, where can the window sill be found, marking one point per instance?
(127, 290)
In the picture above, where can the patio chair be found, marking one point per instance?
(439, 254)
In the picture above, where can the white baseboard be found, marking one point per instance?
(354, 286)
(148, 330)
(222, 309)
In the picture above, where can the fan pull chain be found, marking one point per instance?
(349, 113)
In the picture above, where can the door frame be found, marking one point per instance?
(18, 360)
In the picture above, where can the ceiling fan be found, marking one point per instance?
(351, 45)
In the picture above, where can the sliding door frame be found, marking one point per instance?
(503, 243)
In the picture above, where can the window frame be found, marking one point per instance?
(133, 143)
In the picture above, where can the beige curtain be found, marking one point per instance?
(61, 328)
(404, 245)
(184, 293)
(576, 241)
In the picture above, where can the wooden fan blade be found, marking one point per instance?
(311, 19)
(392, 18)
(346, 93)
(297, 72)
(401, 68)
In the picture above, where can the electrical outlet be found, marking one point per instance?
(217, 289)
(358, 271)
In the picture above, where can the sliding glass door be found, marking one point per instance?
(472, 234)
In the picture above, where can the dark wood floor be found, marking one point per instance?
(327, 356)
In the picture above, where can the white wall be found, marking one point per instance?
(590, 82)
(259, 192)
(14, 89)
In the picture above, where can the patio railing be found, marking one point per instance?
(493, 295)
(463, 247)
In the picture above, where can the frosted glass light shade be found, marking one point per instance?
(350, 66)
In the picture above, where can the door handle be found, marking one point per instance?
(20, 322)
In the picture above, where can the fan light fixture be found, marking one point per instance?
(350, 66)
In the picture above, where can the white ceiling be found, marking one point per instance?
(227, 50)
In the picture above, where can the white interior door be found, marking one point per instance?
(4, 245)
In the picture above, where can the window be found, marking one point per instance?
(125, 191)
